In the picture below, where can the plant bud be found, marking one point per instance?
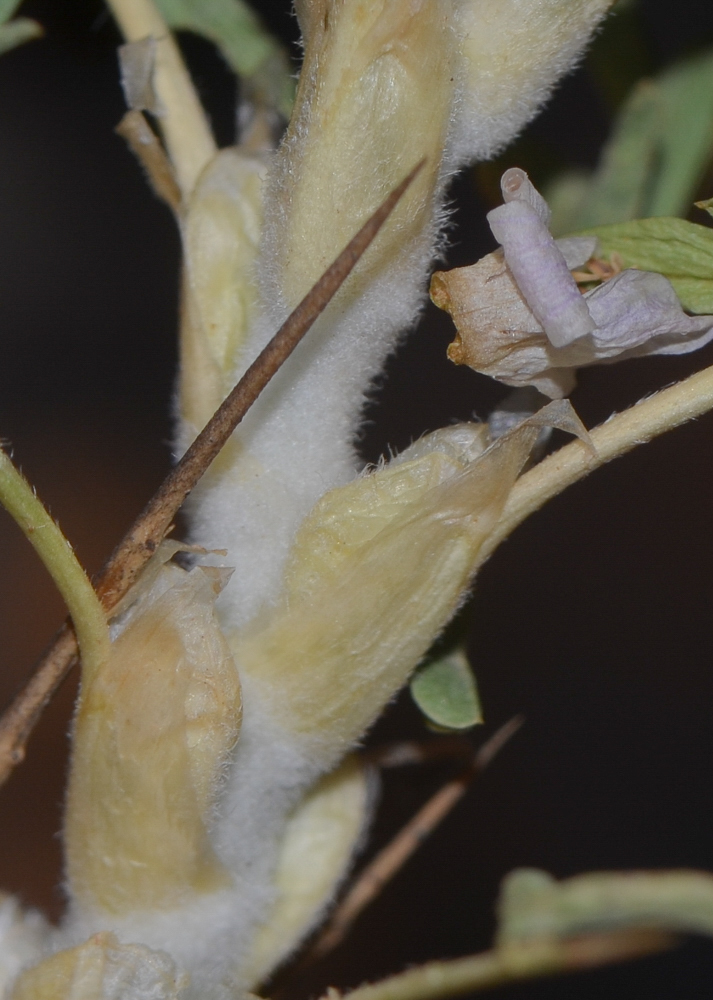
(221, 232)
(153, 732)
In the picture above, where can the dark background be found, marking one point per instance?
(593, 620)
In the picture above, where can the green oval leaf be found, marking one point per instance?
(680, 250)
(248, 48)
(655, 158)
(446, 692)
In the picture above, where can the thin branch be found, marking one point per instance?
(395, 855)
(58, 558)
(143, 143)
(511, 964)
(21, 716)
(641, 423)
(143, 538)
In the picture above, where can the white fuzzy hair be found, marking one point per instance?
(299, 436)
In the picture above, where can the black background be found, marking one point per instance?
(593, 620)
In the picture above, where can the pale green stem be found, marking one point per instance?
(56, 553)
(534, 906)
(509, 964)
(546, 928)
(183, 122)
(621, 433)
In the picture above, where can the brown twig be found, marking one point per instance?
(389, 860)
(141, 541)
(20, 717)
(143, 538)
(144, 144)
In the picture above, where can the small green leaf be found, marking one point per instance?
(7, 9)
(17, 32)
(248, 48)
(686, 135)
(445, 691)
(680, 250)
(657, 154)
(617, 190)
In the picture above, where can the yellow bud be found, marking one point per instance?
(315, 852)
(377, 570)
(514, 51)
(221, 233)
(373, 99)
(152, 734)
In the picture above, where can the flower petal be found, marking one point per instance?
(541, 273)
(497, 333)
(521, 318)
(638, 311)
(517, 186)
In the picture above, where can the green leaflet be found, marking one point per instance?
(246, 46)
(680, 250)
(445, 691)
(16, 32)
(687, 135)
(706, 205)
(533, 905)
(660, 145)
(617, 190)
(7, 9)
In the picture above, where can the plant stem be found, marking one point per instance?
(621, 433)
(183, 122)
(510, 964)
(87, 613)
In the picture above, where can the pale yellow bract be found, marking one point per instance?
(101, 969)
(152, 732)
(378, 568)
(374, 98)
(221, 234)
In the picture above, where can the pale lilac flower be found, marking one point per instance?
(522, 319)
